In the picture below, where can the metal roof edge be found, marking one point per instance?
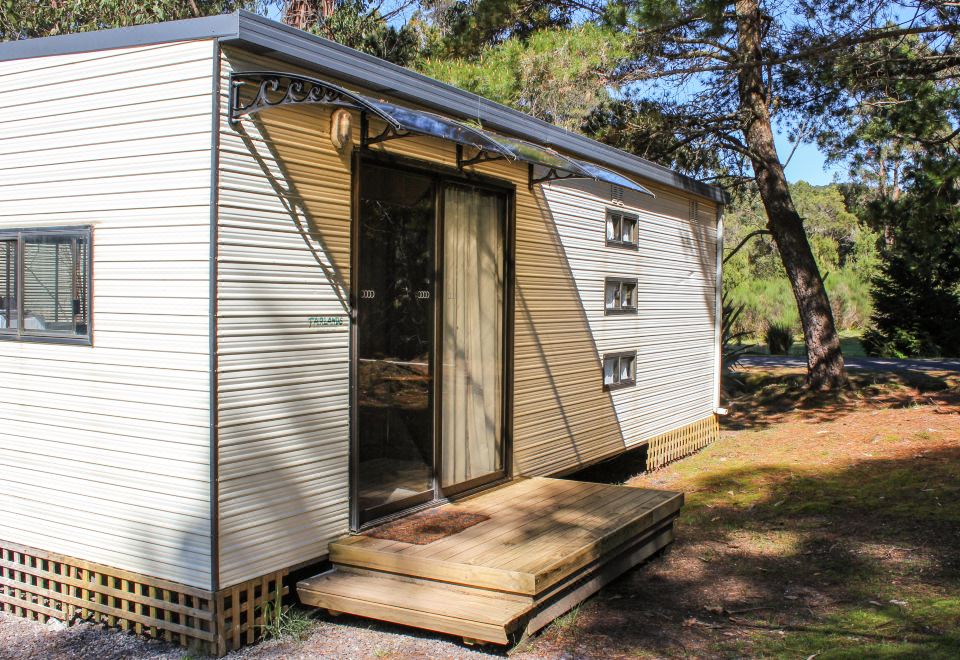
(341, 62)
(189, 29)
(269, 37)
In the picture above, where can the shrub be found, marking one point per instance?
(770, 300)
(850, 299)
(779, 338)
(732, 348)
(764, 300)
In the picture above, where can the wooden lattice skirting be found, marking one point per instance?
(42, 585)
(681, 442)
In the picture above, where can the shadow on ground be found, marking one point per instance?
(860, 560)
(766, 397)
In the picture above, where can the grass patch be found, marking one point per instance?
(282, 621)
(868, 632)
(819, 524)
(568, 620)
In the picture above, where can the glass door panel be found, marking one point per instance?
(395, 327)
(473, 337)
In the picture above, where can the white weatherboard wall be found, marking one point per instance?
(673, 331)
(283, 337)
(104, 449)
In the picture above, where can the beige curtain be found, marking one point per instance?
(472, 378)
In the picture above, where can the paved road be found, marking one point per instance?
(865, 364)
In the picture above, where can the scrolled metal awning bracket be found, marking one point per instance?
(389, 132)
(482, 156)
(277, 89)
(553, 174)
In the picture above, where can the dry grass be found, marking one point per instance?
(824, 525)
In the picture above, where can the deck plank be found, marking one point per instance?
(539, 532)
(607, 516)
(478, 615)
(574, 531)
(520, 528)
(536, 528)
(504, 510)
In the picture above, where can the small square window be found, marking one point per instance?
(620, 295)
(619, 370)
(45, 291)
(621, 229)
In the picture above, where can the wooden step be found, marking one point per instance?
(473, 614)
(543, 546)
(540, 533)
(476, 615)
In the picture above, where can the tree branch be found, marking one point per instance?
(807, 54)
(758, 232)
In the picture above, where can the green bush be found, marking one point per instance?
(779, 338)
(763, 301)
(850, 299)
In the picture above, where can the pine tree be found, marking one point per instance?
(917, 292)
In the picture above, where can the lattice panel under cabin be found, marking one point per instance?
(676, 444)
(241, 610)
(41, 586)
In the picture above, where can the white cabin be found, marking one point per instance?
(259, 291)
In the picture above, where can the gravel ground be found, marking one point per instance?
(352, 638)
(21, 639)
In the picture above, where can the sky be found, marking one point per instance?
(808, 163)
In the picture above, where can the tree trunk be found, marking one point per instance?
(824, 360)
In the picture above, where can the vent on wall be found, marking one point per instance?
(694, 210)
(616, 194)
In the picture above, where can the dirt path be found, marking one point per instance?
(819, 525)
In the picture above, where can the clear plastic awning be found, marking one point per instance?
(427, 123)
(273, 89)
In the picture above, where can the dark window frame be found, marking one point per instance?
(619, 384)
(621, 309)
(20, 237)
(620, 216)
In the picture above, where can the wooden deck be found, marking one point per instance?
(547, 545)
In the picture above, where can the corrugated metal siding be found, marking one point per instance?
(104, 450)
(284, 259)
(284, 438)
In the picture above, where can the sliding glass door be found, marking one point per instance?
(394, 341)
(429, 372)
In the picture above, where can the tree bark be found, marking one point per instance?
(825, 369)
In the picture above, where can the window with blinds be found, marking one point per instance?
(45, 289)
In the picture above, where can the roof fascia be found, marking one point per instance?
(223, 26)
